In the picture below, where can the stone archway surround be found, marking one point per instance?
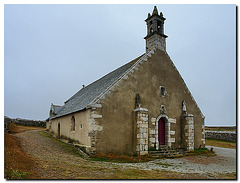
(167, 130)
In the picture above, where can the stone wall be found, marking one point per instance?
(24, 122)
(221, 135)
(6, 123)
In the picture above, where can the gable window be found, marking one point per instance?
(73, 123)
(163, 91)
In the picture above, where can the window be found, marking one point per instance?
(163, 109)
(81, 125)
(73, 123)
(159, 27)
(163, 91)
(151, 30)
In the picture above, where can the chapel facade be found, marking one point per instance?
(137, 108)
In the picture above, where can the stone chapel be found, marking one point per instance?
(137, 108)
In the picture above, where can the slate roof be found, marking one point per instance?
(87, 95)
(57, 108)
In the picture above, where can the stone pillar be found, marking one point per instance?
(152, 134)
(167, 133)
(188, 132)
(141, 130)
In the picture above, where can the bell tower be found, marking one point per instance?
(155, 31)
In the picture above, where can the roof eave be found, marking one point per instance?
(55, 117)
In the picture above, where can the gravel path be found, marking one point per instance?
(54, 162)
(225, 162)
(225, 152)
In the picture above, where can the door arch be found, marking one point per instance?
(166, 133)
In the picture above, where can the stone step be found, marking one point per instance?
(162, 149)
(169, 149)
(157, 152)
(163, 146)
(167, 152)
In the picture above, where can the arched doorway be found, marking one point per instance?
(58, 135)
(161, 131)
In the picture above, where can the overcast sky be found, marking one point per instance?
(51, 50)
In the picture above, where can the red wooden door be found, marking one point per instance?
(161, 131)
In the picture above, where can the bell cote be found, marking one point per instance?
(155, 31)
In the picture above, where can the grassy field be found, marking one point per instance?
(13, 128)
(220, 143)
(219, 128)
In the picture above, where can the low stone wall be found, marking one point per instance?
(221, 135)
(24, 122)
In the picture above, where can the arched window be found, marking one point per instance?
(73, 123)
(159, 27)
(163, 91)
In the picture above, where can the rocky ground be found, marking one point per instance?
(55, 162)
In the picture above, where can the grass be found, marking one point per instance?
(202, 152)
(17, 164)
(15, 174)
(110, 157)
(135, 174)
(220, 143)
(229, 176)
(13, 128)
(130, 174)
(219, 128)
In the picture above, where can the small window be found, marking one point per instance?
(73, 123)
(81, 125)
(159, 27)
(151, 30)
(163, 91)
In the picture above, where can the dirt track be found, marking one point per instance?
(54, 162)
